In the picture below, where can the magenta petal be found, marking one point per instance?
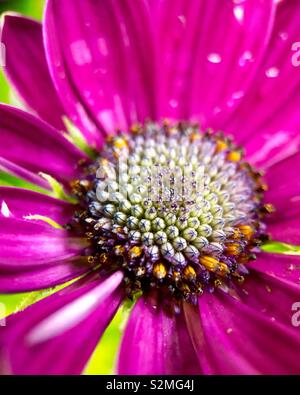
(35, 145)
(287, 231)
(28, 244)
(280, 266)
(58, 334)
(154, 343)
(86, 43)
(20, 172)
(27, 68)
(272, 296)
(284, 188)
(270, 130)
(19, 203)
(24, 279)
(205, 51)
(237, 339)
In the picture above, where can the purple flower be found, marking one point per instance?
(209, 300)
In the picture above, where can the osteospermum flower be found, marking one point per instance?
(170, 214)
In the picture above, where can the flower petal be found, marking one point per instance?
(237, 339)
(206, 52)
(155, 343)
(270, 131)
(35, 145)
(58, 334)
(270, 295)
(287, 231)
(24, 279)
(27, 68)
(284, 188)
(86, 43)
(280, 266)
(27, 244)
(20, 172)
(21, 203)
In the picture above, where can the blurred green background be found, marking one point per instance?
(103, 360)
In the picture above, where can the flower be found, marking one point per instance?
(204, 304)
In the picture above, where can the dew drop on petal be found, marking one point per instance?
(272, 72)
(182, 19)
(81, 53)
(283, 35)
(245, 58)
(102, 46)
(239, 12)
(214, 58)
(173, 103)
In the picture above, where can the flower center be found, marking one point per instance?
(175, 208)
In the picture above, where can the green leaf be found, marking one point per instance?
(278, 247)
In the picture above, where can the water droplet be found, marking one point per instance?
(102, 46)
(214, 58)
(216, 110)
(283, 35)
(81, 53)
(245, 58)
(272, 72)
(239, 12)
(237, 95)
(182, 19)
(173, 103)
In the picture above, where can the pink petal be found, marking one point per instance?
(27, 68)
(100, 55)
(20, 172)
(28, 244)
(21, 203)
(287, 231)
(23, 279)
(30, 143)
(284, 188)
(270, 130)
(237, 339)
(208, 53)
(155, 343)
(271, 295)
(58, 334)
(284, 267)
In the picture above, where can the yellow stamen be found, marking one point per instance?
(159, 271)
(223, 268)
(135, 252)
(195, 136)
(189, 273)
(237, 234)
(234, 156)
(176, 276)
(135, 129)
(247, 231)
(269, 208)
(91, 259)
(233, 249)
(104, 258)
(221, 146)
(119, 250)
(210, 263)
(120, 143)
